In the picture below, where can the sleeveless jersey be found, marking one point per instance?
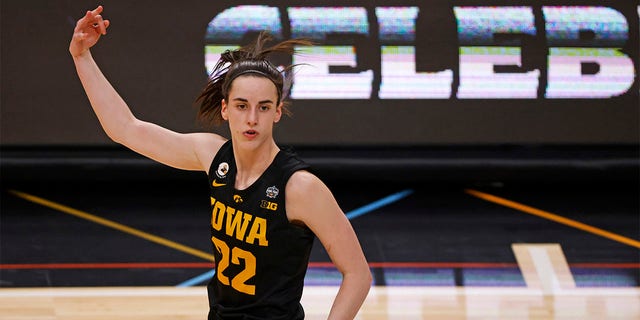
(261, 258)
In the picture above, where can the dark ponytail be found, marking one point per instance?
(251, 59)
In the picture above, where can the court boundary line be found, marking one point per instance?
(553, 217)
(112, 224)
(197, 279)
(378, 204)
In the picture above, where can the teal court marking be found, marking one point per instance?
(378, 204)
(197, 280)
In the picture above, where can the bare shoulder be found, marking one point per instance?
(206, 145)
(308, 198)
(302, 182)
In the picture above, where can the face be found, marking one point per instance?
(251, 109)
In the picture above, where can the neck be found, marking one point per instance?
(252, 162)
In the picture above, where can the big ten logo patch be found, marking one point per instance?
(268, 205)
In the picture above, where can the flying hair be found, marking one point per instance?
(248, 60)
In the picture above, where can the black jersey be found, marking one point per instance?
(261, 258)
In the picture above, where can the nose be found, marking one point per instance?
(252, 117)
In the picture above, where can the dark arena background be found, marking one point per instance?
(486, 152)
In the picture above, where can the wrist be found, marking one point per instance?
(80, 56)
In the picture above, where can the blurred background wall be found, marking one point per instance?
(449, 90)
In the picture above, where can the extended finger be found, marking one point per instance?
(86, 20)
(97, 10)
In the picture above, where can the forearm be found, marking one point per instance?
(351, 295)
(112, 112)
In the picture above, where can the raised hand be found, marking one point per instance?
(88, 31)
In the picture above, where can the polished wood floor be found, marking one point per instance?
(142, 303)
(48, 274)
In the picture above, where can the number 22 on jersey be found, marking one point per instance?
(234, 256)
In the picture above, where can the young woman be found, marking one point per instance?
(266, 207)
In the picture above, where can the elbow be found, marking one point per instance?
(365, 273)
(122, 133)
(368, 278)
(115, 137)
(365, 282)
(363, 278)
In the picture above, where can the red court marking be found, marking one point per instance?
(606, 265)
(116, 265)
(205, 265)
(441, 265)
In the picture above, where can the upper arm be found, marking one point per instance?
(190, 151)
(184, 151)
(310, 201)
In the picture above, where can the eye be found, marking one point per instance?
(241, 106)
(265, 108)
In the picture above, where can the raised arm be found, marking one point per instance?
(193, 151)
(310, 201)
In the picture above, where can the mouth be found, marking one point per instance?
(250, 134)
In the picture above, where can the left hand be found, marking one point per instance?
(88, 31)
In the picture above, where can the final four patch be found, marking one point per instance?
(272, 192)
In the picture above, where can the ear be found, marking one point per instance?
(278, 113)
(224, 110)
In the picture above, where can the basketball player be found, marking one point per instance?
(266, 207)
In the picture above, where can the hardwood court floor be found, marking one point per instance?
(433, 237)
(158, 303)
(438, 253)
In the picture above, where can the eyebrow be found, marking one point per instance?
(259, 102)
